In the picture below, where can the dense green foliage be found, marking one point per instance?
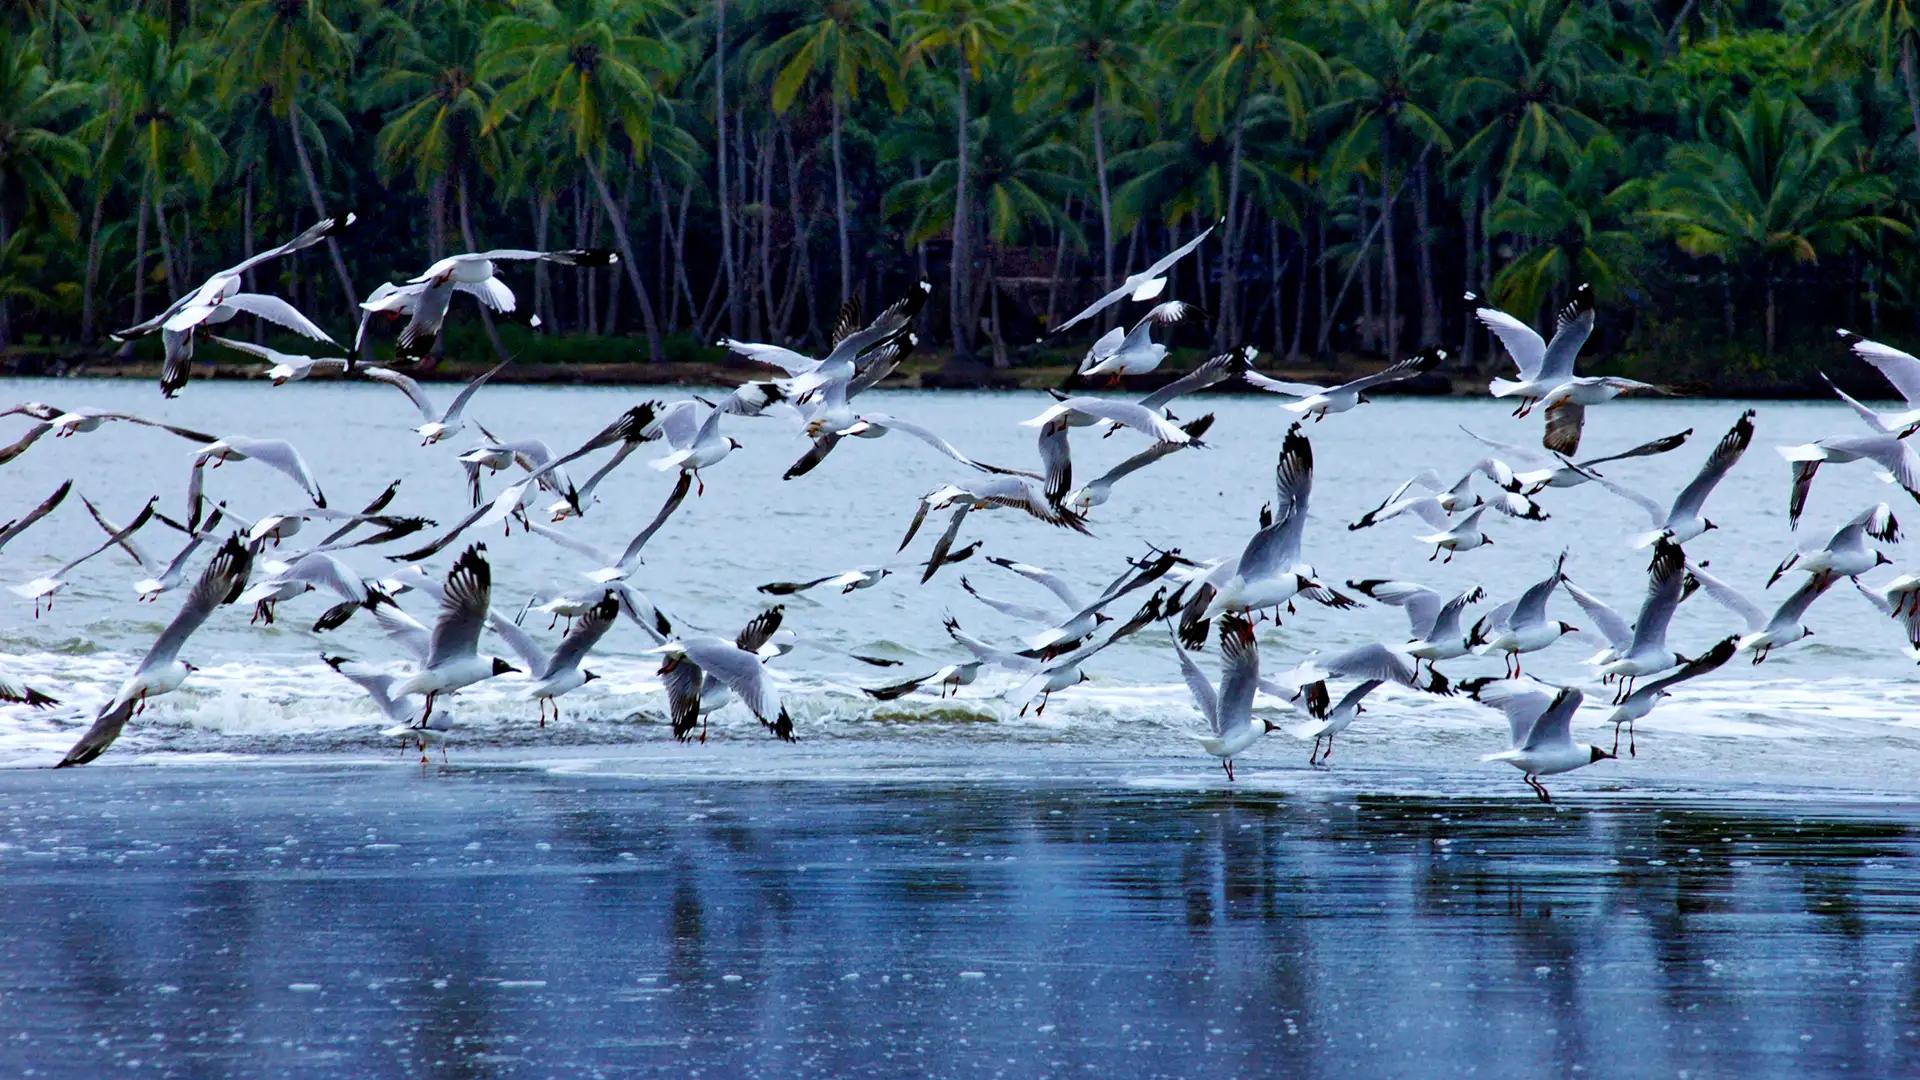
(1735, 176)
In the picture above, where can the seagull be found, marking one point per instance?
(1088, 496)
(1899, 600)
(14, 692)
(42, 589)
(276, 454)
(809, 375)
(1765, 633)
(473, 273)
(1543, 365)
(1336, 720)
(559, 672)
(1520, 625)
(432, 730)
(529, 454)
(161, 671)
(1847, 553)
(1013, 492)
(314, 569)
(1377, 660)
(1566, 406)
(1320, 402)
(449, 659)
(873, 425)
(1885, 448)
(1144, 285)
(1565, 473)
(218, 300)
(860, 577)
(1682, 521)
(25, 521)
(689, 662)
(1080, 617)
(1644, 651)
(1432, 619)
(1269, 571)
(284, 368)
(1901, 369)
(160, 577)
(622, 566)
(697, 442)
(949, 679)
(1228, 713)
(435, 424)
(1086, 411)
(1642, 701)
(1539, 722)
(1464, 535)
(1120, 353)
(1441, 502)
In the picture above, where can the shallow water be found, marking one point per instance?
(327, 918)
(1837, 711)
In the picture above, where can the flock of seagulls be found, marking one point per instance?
(442, 646)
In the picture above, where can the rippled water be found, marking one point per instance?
(1081, 919)
(1838, 711)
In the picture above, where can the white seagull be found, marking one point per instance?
(1642, 701)
(1540, 729)
(1544, 365)
(473, 273)
(1320, 402)
(1120, 353)
(284, 368)
(449, 658)
(1886, 447)
(436, 424)
(1765, 633)
(1520, 625)
(1231, 727)
(559, 672)
(1847, 552)
(1144, 285)
(1683, 520)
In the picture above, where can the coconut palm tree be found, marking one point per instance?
(845, 41)
(292, 47)
(1772, 190)
(1878, 31)
(1583, 226)
(595, 70)
(36, 157)
(958, 36)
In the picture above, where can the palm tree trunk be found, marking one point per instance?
(1907, 76)
(166, 243)
(437, 217)
(1228, 328)
(1106, 200)
(1389, 264)
(1770, 314)
(619, 223)
(958, 308)
(840, 202)
(6, 313)
(1273, 282)
(91, 281)
(140, 260)
(1429, 295)
(542, 207)
(319, 203)
(720, 162)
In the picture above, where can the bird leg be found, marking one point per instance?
(1328, 756)
(1313, 755)
(1045, 696)
(1632, 751)
(1226, 764)
(428, 710)
(701, 488)
(1436, 553)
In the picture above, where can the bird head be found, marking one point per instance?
(1485, 539)
(587, 676)
(1567, 628)
(1270, 727)
(501, 667)
(1596, 754)
(191, 668)
(1880, 559)
(1709, 526)
(733, 443)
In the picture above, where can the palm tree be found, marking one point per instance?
(1530, 101)
(437, 129)
(1876, 30)
(161, 96)
(1581, 227)
(1773, 188)
(1381, 92)
(35, 157)
(594, 70)
(964, 33)
(1235, 49)
(846, 41)
(1096, 51)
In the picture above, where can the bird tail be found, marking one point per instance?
(673, 460)
(1504, 387)
(1647, 539)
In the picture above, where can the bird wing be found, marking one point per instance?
(741, 672)
(1608, 621)
(313, 234)
(1293, 475)
(459, 403)
(1421, 604)
(19, 525)
(1282, 386)
(492, 293)
(522, 643)
(1426, 361)
(1372, 661)
(1666, 578)
(1239, 672)
(1523, 344)
(1656, 513)
(1730, 598)
(463, 608)
(684, 683)
(1521, 700)
(778, 356)
(1901, 369)
(1794, 608)
(1566, 421)
(1532, 605)
(275, 310)
(1133, 282)
(586, 633)
(28, 438)
(1698, 666)
(222, 581)
(1571, 327)
(1645, 449)
(1127, 414)
(1555, 725)
(407, 386)
(1056, 458)
(1868, 416)
(1045, 578)
(1725, 454)
(1215, 369)
(631, 556)
(282, 457)
(401, 628)
(1027, 612)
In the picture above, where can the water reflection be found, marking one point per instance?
(494, 922)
